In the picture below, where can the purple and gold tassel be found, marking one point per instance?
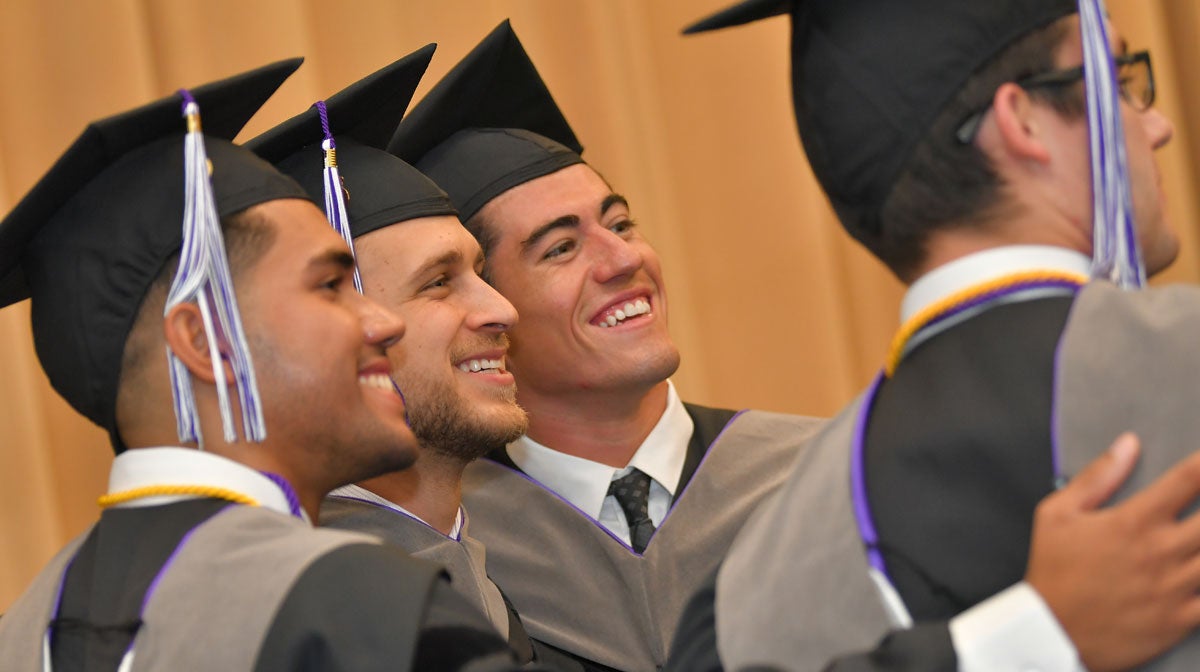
(1115, 253)
(335, 202)
(204, 277)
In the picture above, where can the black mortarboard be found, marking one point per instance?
(89, 239)
(382, 189)
(489, 125)
(869, 77)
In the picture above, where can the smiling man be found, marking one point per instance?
(204, 557)
(415, 258)
(621, 498)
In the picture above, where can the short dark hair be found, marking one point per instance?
(247, 237)
(950, 184)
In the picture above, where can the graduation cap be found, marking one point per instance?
(89, 239)
(870, 77)
(338, 148)
(489, 125)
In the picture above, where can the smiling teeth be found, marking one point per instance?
(482, 366)
(377, 380)
(622, 313)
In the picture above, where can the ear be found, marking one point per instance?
(183, 329)
(1018, 131)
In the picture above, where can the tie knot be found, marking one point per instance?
(632, 492)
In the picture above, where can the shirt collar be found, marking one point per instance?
(353, 491)
(584, 483)
(981, 267)
(145, 467)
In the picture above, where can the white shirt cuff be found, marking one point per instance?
(1012, 631)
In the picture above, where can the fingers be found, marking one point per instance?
(1186, 541)
(1103, 476)
(1189, 615)
(1171, 492)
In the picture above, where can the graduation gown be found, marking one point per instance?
(962, 442)
(241, 588)
(463, 559)
(580, 589)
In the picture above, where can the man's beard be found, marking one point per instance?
(445, 423)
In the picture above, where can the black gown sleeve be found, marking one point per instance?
(374, 608)
(924, 648)
(927, 647)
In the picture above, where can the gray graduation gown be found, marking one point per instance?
(1124, 361)
(580, 589)
(216, 603)
(464, 560)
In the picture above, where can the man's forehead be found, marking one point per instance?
(301, 234)
(574, 191)
(417, 246)
(416, 237)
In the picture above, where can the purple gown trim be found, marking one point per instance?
(858, 481)
(996, 294)
(720, 435)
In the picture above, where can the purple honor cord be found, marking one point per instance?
(289, 492)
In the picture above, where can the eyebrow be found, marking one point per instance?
(569, 221)
(335, 257)
(566, 221)
(611, 200)
(450, 258)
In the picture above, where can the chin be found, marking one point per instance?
(1160, 258)
(662, 364)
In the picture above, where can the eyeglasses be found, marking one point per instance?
(1135, 78)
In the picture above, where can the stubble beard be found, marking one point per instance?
(446, 423)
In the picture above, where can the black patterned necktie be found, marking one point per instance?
(633, 494)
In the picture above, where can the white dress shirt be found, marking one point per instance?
(145, 467)
(585, 483)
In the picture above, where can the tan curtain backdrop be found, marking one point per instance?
(771, 304)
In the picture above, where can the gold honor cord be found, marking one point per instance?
(210, 491)
(1014, 281)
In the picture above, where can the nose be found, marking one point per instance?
(380, 326)
(490, 310)
(1158, 127)
(615, 257)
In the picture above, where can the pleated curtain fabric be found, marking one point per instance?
(771, 305)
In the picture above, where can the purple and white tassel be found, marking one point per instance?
(1115, 253)
(204, 277)
(335, 202)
